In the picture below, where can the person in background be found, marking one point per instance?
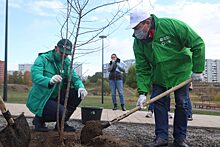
(46, 75)
(190, 118)
(116, 69)
(167, 51)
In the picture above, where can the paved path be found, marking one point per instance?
(137, 117)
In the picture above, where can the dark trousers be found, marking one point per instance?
(50, 109)
(180, 114)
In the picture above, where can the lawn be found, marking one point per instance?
(107, 102)
(96, 101)
(16, 97)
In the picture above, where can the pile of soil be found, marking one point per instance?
(120, 135)
(90, 131)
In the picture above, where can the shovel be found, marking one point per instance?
(17, 132)
(88, 132)
(146, 104)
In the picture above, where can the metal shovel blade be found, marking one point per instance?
(16, 135)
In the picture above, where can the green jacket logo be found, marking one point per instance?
(165, 40)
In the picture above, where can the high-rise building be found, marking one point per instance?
(2, 64)
(24, 67)
(27, 67)
(212, 70)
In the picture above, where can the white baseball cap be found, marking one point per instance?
(137, 16)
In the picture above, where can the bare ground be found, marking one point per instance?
(120, 135)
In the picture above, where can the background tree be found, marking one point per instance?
(106, 87)
(27, 78)
(16, 78)
(20, 78)
(131, 77)
(95, 77)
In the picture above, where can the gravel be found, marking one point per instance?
(144, 133)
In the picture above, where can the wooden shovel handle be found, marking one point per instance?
(149, 102)
(5, 112)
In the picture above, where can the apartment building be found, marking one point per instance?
(212, 70)
(24, 67)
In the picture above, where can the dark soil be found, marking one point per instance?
(90, 131)
(18, 132)
(119, 135)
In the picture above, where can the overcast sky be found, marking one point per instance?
(34, 27)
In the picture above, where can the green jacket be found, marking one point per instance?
(169, 59)
(42, 71)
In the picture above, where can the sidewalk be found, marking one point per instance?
(137, 117)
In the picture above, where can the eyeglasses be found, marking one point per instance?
(113, 57)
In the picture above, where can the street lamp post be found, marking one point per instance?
(102, 37)
(6, 53)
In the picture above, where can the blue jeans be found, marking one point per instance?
(117, 84)
(50, 108)
(180, 113)
(151, 106)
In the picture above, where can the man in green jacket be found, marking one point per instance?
(47, 74)
(167, 52)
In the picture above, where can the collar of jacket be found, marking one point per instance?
(49, 56)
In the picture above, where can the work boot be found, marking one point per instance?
(39, 124)
(179, 143)
(123, 107)
(158, 142)
(67, 128)
(149, 114)
(115, 107)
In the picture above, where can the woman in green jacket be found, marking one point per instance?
(167, 52)
(46, 74)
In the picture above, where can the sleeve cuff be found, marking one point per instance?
(142, 93)
(50, 85)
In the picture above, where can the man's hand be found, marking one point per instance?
(55, 79)
(82, 92)
(141, 100)
(197, 76)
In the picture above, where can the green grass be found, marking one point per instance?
(21, 98)
(217, 113)
(203, 111)
(16, 97)
(107, 102)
